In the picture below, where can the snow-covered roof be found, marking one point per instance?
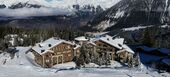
(127, 48)
(81, 38)
(120, 51)
(90, 42)
(117, 42)
(11, 35)
(48, 44)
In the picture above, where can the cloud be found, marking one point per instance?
(27, 12)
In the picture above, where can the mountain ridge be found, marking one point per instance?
(130, 13)
(10, 8)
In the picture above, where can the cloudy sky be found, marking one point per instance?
(52, 7)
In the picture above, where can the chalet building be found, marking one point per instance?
(105, 47)
(53, 51)
(115, 48)
(81, 40)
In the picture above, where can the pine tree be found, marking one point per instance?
(147, 38)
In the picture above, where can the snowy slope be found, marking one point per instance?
(133, 13)
(19, 59)
(21, 66)
(26, 71)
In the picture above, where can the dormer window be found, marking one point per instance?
(42, 51)
(120, 45)
(49, 45)
(108, 39)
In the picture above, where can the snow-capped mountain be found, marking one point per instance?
(9, 3)
(62, 3)
(129, 13)
(50, 7)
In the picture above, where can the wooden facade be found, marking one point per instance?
(106, 49)
(58, 54)
(125, 56)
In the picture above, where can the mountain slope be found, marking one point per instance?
(12, 8)
(129, 13)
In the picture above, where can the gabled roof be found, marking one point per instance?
(113, 42)
(127, 48)
(117, 42)
(48, 44)
(81, 38)
(92, 43)
(78, 46)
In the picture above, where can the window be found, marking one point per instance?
(47, 61)
(104, 46)
(42, 51)
(53, 54)
(68, 47)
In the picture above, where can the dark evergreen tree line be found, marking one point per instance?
(34, 35)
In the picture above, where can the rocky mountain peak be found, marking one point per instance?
(128, 13)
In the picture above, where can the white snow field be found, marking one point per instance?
(23, 66)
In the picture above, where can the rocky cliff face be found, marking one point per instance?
(130, 13)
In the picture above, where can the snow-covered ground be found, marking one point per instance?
(23, 66)
(29, 71)
(135, 28)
